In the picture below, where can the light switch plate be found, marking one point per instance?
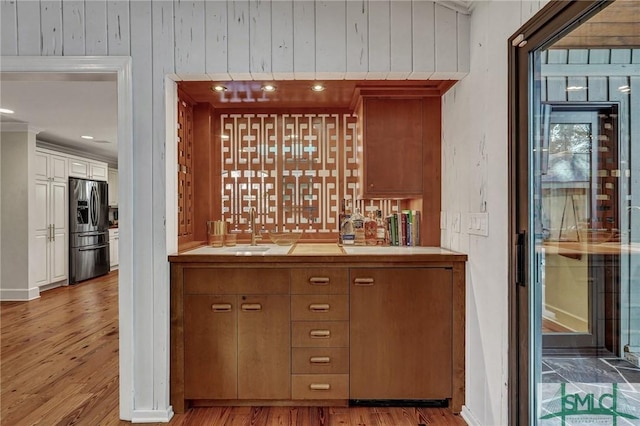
(479, 224)
(456, 222)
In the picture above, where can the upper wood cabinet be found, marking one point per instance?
(392, 148)
(400, 138)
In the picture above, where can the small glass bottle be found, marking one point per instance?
(358, 227)
(347, 233)
(381, 229)
(370, 231)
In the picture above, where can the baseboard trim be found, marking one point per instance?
(50, 286)
(19, 295)
(468, 417)
(152, 416)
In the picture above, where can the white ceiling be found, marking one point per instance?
(65, 106)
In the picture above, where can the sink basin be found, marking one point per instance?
(247, 250)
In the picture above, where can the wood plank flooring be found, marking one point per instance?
(59, 366)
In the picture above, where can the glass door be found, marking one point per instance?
(576, 198)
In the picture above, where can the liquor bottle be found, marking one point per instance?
(358, 227)
(370, 230)
(381, 229)
(347, 232)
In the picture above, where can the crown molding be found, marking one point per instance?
(17, 127)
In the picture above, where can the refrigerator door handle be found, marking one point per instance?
(91, 234)
(93, 247)
(94, 203)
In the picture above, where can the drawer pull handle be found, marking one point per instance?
(320, 334)
(319, 307)
(251, 307)
(363, 281)
(320, 386)
(221, 307)
(319, 280)
(320, 360)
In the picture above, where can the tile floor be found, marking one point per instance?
(589, 370)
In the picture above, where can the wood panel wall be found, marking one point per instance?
(253, 40)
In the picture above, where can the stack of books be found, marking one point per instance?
(404, 228)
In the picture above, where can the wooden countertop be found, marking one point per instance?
(317, 253)
(613, 248)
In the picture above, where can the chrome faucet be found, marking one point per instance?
(252, 220)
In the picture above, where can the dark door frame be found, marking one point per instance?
(548, 25)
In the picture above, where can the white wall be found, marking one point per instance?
(475, 180)
(17, 192)
(221, 40)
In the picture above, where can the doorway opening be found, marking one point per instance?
(121, 68)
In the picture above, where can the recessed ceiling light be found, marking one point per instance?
(219, 88)
(86, 137)
(6, 111)
(317, 87)
(268, 88)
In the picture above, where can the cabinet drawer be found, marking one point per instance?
(320, 334)
(320, 281)
(320, 386)
(320, 307)
(320, 360)
(236, 281)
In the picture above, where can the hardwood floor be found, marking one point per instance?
(59, 366)
(553, 327)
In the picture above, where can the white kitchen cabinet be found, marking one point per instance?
(50, 166)
(113, 247)
(51, 217)
(98, 171)
(113, 187)
(51, 232)
(87, 169)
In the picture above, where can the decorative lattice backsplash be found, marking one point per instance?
(293, 168)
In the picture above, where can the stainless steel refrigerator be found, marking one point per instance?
(88, 229)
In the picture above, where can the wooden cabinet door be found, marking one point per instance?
(210, 347)
(78, 168)
(98, 171)
(60, 222)
(113, 187)
(264, 347)
(401, 333)
(393, 147)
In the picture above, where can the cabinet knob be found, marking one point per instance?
(363, 281)
(320, 386)
(320, 360)
(319, 307)
(319, 280)
(251, 307)
(320, 334)
(221, 307)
